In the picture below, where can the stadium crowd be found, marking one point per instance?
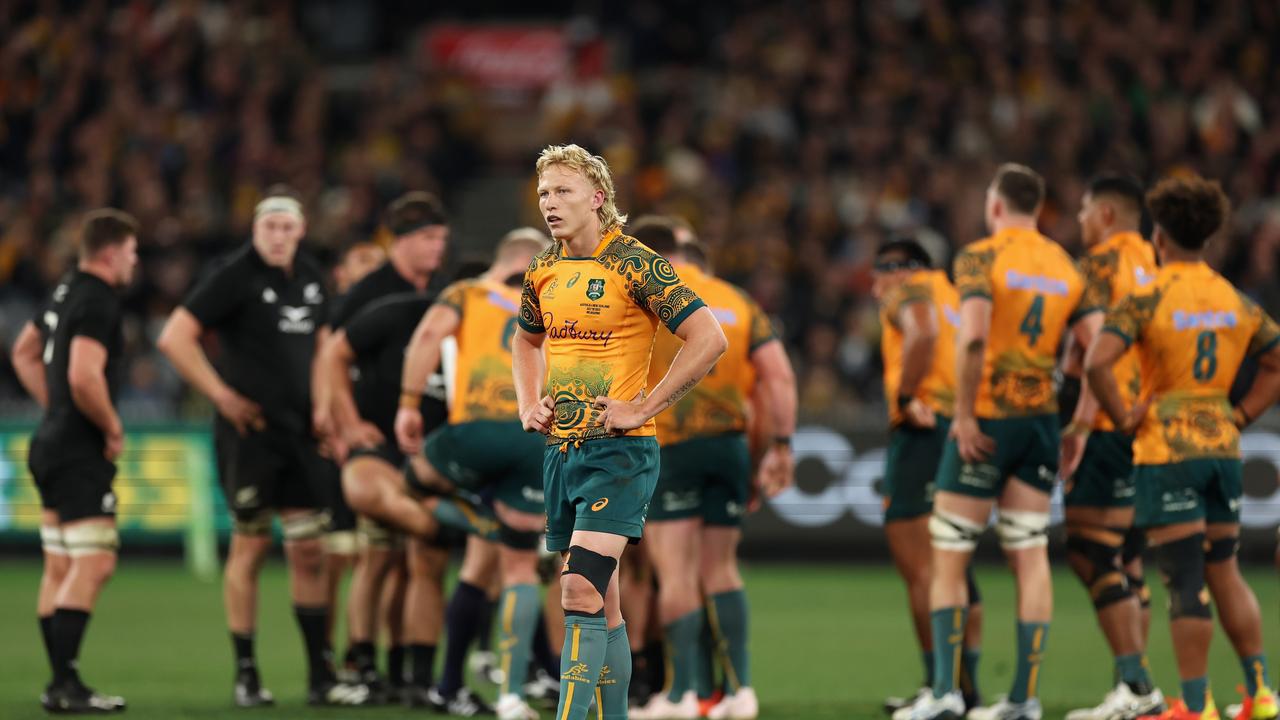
(795, 140)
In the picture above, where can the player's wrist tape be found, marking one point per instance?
(1076, 427)
(1240, 417)
(410, 399)
(904, 399)
(783, 440)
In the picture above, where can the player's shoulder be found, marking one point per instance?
(624, 251)
(547, 259)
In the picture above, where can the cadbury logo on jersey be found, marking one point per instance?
(1038, 283)
(570, 331)
(296, 320)
(1208, 319)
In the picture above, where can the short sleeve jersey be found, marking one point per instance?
(1035, 292)
(82, 305)
(266, 322)
(1192, 329)
(379, 334)
(938, 388)
(600, 314)
(484, 387)
(718, 404)
(1112, 270)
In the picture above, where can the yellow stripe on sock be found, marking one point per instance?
(577, 637)
(668, 668)
(1258, 679)
(506, 671)
(1036, 640)
(721, 646)
(599, 706)
(568, 701)
(509, 613)
(957, 628)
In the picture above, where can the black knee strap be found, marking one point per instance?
(1138, 585)
(975, 597)
(596, 568)
(1107, 582)
(1222, 549)
(518, 539)
(1135, 541)
(1181, 563)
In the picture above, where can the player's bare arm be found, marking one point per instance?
(704, 343)
(180, 342)
(336, 359)
(971, 340)
(919, 323)
(421, 357)
(87, 380)
(1103, 353)
(530, 370)
(28, 364)
(321, 397)
(1265, 390)
(776, 387)
(1077, 431)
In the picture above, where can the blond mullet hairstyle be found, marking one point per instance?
(595, 170)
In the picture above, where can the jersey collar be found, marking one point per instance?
(1119, 239)
(604, 242)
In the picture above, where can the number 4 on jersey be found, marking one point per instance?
(1032, 324)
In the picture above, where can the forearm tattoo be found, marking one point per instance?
(680, 392)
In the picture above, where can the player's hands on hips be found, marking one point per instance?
(1135, 417)
(362, 434)
(243, 413)
(619, 416)
(537, 417)
(918, 414)
(777, 470)
(973, 445)
(409, 430)
(113, 442)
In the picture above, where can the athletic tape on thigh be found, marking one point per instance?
(518, 539)
(89, 538)
(305, 526)
(1106, 581)
(376, 535)
(257, 523)
(51, 540)
(342, 542)
(1222, 549)
(1135, 541)
(1022, 529)
(952, 532)
(1181, 562)
(596, 568)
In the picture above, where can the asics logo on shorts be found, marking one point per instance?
(600, 504)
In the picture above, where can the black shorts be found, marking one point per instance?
(76, 488)
(269, 470)
(389, 453)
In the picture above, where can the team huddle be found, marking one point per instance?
(509, 410)
(1142, 431)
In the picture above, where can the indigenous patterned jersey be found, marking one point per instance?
(1192, 329)
(938, 387)
(600, 314)
(1113, 269)
(718, 404)
(484, 386)
(1035, 291)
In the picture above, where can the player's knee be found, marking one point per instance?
(1222, 549)
(585, 580)
(949, 531)
(1022, 529)
(1181, 564)
(1097, 562)
(360, 494)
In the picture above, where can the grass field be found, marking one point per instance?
(828, 642)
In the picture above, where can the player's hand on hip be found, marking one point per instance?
(409, 430)
(619, 416)
(973, 445)
(363, 434)
(243, 413)
(1136, 415)
(113, 443)
(777, 470)
(537, 418)
(919, 415)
